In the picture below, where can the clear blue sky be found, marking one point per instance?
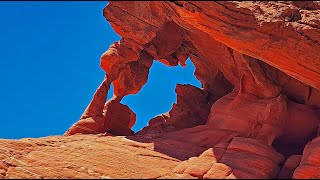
(49, 68)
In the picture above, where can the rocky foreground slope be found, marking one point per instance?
(256, 115)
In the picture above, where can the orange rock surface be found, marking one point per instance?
(256, 115)
(83, 156)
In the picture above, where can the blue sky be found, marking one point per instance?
(49, 68)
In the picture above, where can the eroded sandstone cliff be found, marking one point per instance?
(257, 113)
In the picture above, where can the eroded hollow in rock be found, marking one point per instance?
(158, 94)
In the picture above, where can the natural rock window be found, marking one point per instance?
(158, 94)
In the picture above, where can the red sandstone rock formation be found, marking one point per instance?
(192, 109)
(258, 65)
(241, 158)
(84, 156)
(310, 161)
(254, 116)
(289, 166)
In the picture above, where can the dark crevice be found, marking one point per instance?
(178, 3)
(311, 25)
(308, 38)
(294, 17)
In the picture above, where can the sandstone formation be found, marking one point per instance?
(310, 161)
(256, 115)
(258, 65)
(242, 158)
(289, 166)
(192, 109)
(83, 156)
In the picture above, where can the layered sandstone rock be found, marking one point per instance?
(310, 161)
(258, 65)
(108, 120)
(83, 156)
(257, 110)
(239, 53)
(289, 166)
(242, 158)
(192, 109)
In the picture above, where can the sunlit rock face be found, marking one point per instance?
(256, 115)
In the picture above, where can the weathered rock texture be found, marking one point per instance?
(257, 110)
(241, 158)
(310, 161)
(84, 156)
(289, 166)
